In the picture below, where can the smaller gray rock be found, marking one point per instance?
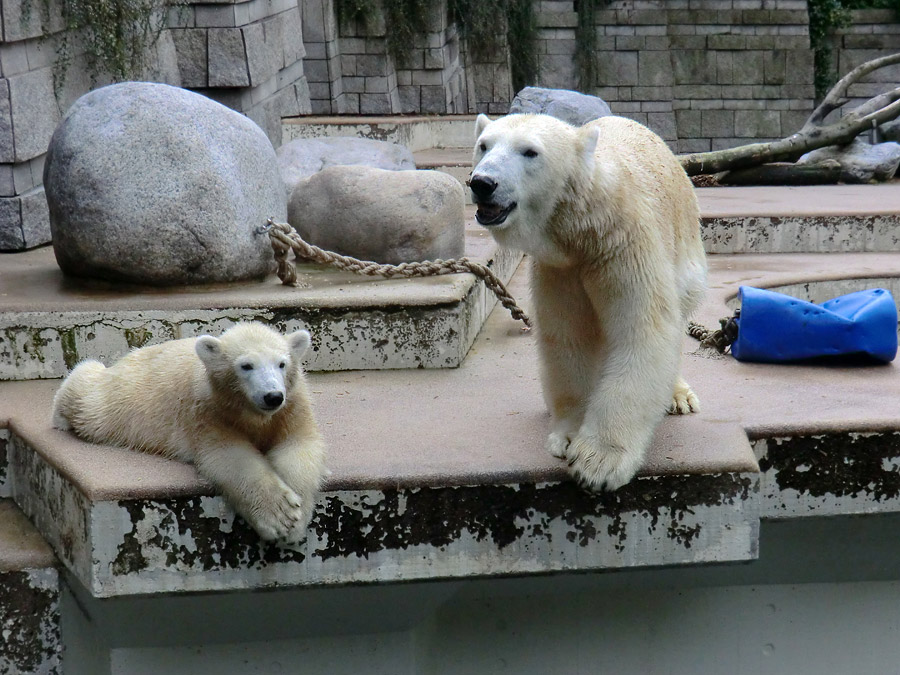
(386, 216)
(303, 157)
(860, 162)
(570, 106)
(889, 131)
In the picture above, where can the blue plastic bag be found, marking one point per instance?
(774, 328)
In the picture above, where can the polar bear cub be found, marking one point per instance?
(611, 222)
(236, 406)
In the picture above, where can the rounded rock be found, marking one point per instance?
(153, 184)
(384, 216)
(303, 157)
(564, 104)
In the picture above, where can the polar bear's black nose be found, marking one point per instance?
(482, 187)
(273, 399)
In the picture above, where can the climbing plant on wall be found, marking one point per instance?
(116, 33)
(825, 18)
(478, 21)
(586, 42)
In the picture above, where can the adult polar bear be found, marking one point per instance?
(612, 224)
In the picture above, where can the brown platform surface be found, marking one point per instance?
(21, 546)
(485, 421)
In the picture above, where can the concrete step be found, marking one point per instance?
(29, 597)
(442, 473)
(48, 323)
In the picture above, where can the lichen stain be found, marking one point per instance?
(29, 621)
(842, 465)
(190, 539)
(504, 514)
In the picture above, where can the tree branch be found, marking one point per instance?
(838, 94)
(877, 110)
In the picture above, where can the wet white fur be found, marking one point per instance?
(612, 224)
(195, 400)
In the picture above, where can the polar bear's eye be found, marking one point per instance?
(282, 365)
(530, 153)
(483, 147)
(247, 366)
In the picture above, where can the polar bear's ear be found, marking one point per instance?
(589, 137)
(208, 348)
(480, 123)
(299, 343)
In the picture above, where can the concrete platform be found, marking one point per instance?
(29, 597)
(49, 322)
(442, 473)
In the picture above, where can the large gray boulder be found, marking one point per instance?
(570, 106)
(303, 157)
(152, 184)
(375, 214)
(860, 162)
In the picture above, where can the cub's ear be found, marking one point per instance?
(208, 348)
(480, 123)
(299, 343)
(589, 137)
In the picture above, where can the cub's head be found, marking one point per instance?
(523, 166)
(256, 362)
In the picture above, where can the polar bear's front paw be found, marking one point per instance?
(558, 444)
(684, 400)
(280, 517)
(598, 465)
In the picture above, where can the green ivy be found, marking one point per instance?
(116, 33)
(826, 17)
(404, 20)
(476, 20)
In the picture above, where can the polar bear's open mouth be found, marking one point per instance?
(493, 214)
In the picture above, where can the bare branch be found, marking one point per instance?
(878, 110)
(838, 94)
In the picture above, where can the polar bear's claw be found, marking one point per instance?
(282, 518)
(597, 466)
(558, 444)
(684, 400)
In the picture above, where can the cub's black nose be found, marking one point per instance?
(482, 187)
(273, 399)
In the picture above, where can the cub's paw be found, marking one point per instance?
(599, 465)
(684, 400)
(280, 516)
(60, 422)
(558, 444)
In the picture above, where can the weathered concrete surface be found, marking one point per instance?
(49, 323)
(29, 597)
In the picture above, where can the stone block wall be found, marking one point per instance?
(871, 34)
(351, 72)
(704, 74)
(246, 55)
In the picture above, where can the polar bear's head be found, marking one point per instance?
(256, 361)
(523, 167)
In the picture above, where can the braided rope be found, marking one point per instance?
(285, 238)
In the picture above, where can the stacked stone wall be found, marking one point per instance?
(246, 55)
(704, 74)
(871, 34)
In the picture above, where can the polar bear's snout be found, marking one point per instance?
(273, 400)
(489, 212)
(482, 187)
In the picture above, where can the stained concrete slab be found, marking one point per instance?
(49, 322)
